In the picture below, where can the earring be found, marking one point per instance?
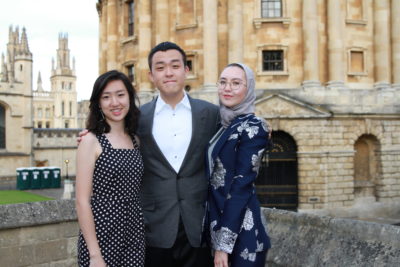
(102, 115)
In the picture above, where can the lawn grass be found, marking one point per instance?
(15, 196)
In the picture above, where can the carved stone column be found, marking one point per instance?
(112, 34)
(335, 43)
(310, 37)
(102, 10)
(144, 40)
(382, 43)
(162, 20)
(395, 8)
(235, 31)
(210, 43)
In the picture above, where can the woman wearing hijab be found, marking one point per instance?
(233, 222)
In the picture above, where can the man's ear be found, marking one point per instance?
(150, 76)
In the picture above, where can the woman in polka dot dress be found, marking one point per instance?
(108, 177)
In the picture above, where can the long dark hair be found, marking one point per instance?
(95, 122)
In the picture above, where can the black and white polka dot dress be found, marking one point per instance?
(116, 207)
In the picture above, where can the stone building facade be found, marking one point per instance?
(23, 111)
(57, 108)
(16, 105)
(327, 80)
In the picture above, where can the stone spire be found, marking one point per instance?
(24, 47)
(63, 57)
(39, 83)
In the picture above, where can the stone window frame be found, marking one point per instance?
(258, 20)
(178, 25)
(193, 56)
(129, 64)
(364, 52)
(40, 112)
(261, 48)
(364, 14)
(129, 38)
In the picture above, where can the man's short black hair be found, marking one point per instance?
(164, 46)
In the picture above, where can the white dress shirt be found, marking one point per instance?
(172, 130)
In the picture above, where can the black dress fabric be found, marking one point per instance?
(116, 207)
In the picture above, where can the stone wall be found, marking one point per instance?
(54, 146)
(45, 234)
(300, 239)
(38, 234)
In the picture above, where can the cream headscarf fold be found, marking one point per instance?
(244, 107)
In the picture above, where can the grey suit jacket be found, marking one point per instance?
(167, 195)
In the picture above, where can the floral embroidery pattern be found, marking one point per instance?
(233, 136)
(256, 160)
(243, 125)
(264, 124)
(248, 221)
(260, 247)
(248, 256)
(251, 130)
(218, 177)
(222, 239)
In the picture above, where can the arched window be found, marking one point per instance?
(277, 181)
(2, 127)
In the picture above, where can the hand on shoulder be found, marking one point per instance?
(81, 134)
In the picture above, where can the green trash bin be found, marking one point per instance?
(36, 179)
(23, 179)
(55, 177)
(46, 176)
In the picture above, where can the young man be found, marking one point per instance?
(174, 130)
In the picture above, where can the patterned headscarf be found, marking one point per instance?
(246, 106)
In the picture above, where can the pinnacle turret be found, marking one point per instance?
(39, 83)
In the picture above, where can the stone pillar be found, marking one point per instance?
(335, 43)
(381, 43)
(310, 44)
(235, 31)
(395, 8)
(102, 10)
(162, 21)
(112, 34)
(144, 41)
(210, 43)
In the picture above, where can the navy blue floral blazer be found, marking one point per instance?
(233, 221)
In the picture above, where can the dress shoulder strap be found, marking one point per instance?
(136, 142)
(105, 144)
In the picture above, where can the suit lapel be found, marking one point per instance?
(198, 123)
(148, 117)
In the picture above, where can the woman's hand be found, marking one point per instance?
(97, 261)
(81, 134)
(220, 259)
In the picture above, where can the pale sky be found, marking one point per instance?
(44, 20)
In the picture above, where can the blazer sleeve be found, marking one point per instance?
(251, 145)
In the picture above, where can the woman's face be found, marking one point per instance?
(114, 101)
(232, 87)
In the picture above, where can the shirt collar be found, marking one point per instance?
(160, 103)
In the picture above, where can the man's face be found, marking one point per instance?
(168, 73)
